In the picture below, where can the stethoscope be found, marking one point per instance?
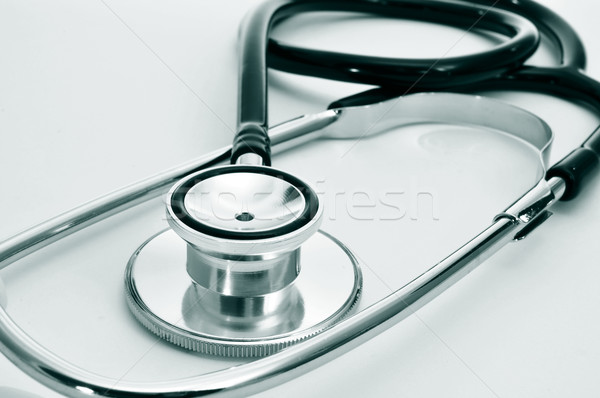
(241, 236)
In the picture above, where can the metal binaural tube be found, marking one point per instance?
(74, 382)
(67, 379)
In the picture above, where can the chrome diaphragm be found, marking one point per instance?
(244, 269)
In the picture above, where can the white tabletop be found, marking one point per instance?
(97, 95)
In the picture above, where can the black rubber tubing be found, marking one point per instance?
(257, 49)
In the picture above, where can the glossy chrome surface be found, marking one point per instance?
(251, 159)
(364, 121)
(303, 129)
(243, 276)
(534, 202)
(558, 186)
(244, 202)
(164, 299)
(56, 373)
(531, 209)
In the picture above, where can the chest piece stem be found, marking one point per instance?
(243, 270)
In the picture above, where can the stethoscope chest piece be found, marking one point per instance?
(244, 269)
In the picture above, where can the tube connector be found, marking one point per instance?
(531, 209)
